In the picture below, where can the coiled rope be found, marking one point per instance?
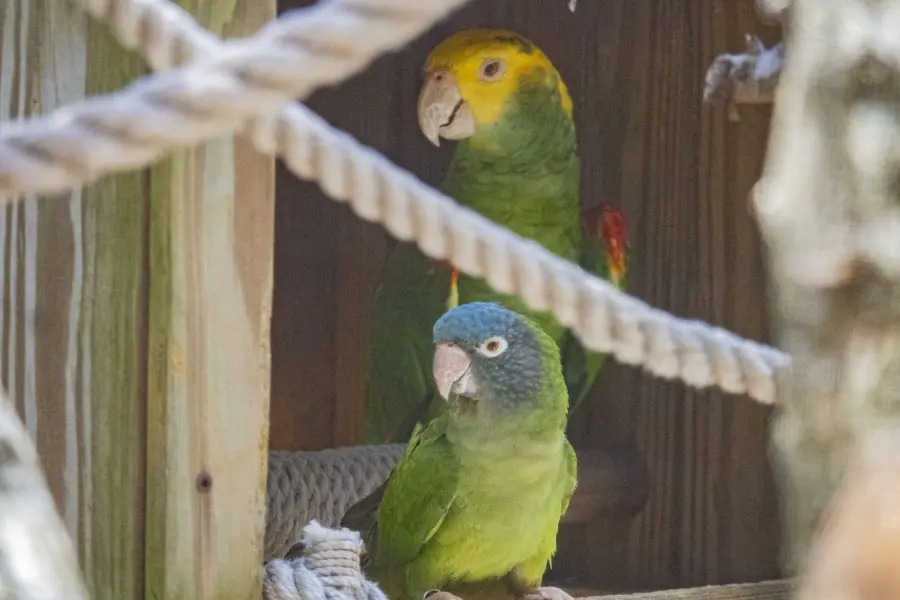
(320, 486)
(231, 82)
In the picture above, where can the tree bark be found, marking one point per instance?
(827, 205)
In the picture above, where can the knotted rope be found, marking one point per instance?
(327, 569)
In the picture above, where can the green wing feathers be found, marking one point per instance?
(570, 480)
(529, 573)
(401, 387)
(417, 497)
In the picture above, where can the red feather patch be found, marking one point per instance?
(607, 223)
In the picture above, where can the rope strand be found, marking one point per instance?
(327, 569)
(290, 57)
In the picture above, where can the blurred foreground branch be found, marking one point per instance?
(828, 206)
(37, 560)
(855, 554)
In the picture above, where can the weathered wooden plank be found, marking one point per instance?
(72, 289)
(211, 243)
(112, 319)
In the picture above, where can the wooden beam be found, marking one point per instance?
(211, 244)
(72, 301)
(763, 590)
(113, 317)
(828, 207)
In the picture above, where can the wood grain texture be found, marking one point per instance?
(72, 292)
(73, 329)
(211, 242)
(682, 173)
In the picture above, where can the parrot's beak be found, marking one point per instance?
(442, 110)
(452, 371)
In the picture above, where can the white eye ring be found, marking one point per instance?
(493, 346)
(496, 66)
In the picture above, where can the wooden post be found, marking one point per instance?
(828, 207)
(72, 302)
(134, 324)
(211, 245)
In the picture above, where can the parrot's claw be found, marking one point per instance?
(547, 593)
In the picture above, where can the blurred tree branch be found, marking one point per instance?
(855, 553)
(828, 207)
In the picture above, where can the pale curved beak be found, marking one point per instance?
(441, 110)
(452, 371)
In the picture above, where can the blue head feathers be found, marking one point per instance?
(507, 353)
(472, 323)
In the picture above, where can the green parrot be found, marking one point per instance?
(474, 505)
(515, 162)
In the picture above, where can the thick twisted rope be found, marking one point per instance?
(603, 318)
(321, 486)
(289, 58)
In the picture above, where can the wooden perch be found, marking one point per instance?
(37, 560)
(749, 78)
(827, 205)
(855, 553)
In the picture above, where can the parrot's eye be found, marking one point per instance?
(491, 69)
(493, 346)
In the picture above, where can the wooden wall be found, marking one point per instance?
(681, 172)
